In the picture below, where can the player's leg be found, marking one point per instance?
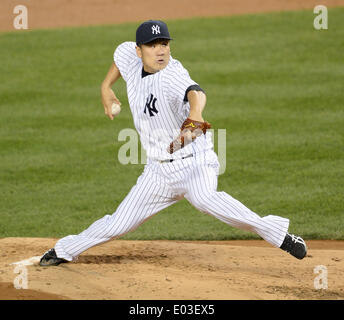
(201, 188)
(202, 193)
(144, 200)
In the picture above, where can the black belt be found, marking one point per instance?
(171, 160)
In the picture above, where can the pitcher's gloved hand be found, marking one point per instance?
(189, 131)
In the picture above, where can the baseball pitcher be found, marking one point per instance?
(166, 106)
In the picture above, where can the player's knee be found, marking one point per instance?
(201, 201)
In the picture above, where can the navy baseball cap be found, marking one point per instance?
(151, 30)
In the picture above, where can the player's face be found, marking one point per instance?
(155, 55)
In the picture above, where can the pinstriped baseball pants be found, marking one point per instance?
(163, 184)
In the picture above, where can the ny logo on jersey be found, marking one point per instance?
(155, 29)
(150, 105)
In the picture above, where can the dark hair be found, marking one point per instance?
(154, 42)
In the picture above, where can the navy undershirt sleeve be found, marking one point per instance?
(193, 87)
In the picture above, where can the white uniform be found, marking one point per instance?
(159, 109)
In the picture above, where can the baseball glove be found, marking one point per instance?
(189, 131)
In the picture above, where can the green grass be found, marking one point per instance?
(272, 80)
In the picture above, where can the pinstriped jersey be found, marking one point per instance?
(157, 103)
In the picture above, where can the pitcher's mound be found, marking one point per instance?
(176, 270)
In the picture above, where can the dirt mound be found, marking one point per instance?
(9, 292)
(177, 270)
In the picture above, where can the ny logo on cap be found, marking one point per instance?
(155, 29)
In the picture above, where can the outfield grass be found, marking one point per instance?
(272, 80)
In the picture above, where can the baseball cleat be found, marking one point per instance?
(50, 259)
(294, 245)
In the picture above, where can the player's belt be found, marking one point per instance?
(171, 160)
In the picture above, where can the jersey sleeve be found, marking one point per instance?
(176, 82)
(124, 56)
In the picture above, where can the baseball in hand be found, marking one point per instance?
(115, 109)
